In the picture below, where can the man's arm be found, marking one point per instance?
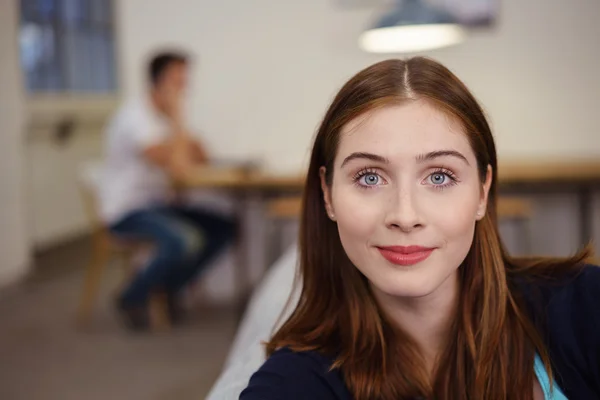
(179, 153)
(174, 155)
(160, 154)
(199, 153)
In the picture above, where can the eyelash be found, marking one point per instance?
(364, 172)
(438, 171)
(449, 174)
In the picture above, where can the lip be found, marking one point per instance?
(405, 255)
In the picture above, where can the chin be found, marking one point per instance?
(404, 291)
(410, 283)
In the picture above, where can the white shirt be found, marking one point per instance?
(129, 182)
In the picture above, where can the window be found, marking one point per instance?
(68, 46)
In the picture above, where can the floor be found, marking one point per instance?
(45, 356)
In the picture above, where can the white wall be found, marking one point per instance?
(14, 257)
(56, 209)
(268, 68)
(54, 166)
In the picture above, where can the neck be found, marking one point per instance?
(427, 320)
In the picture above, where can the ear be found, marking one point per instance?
(485, 190)
(326, 194)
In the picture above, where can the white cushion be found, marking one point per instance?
(265, 312)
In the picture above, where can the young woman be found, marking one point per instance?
(407, 289)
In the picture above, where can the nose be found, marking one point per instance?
(402, 213)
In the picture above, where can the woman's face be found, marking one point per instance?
(406, 195)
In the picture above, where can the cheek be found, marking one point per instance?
(356, 217)
(454, 219)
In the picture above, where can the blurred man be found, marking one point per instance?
(148, 147)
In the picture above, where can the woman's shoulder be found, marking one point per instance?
(565, 309)
(296, 375)
(571, 327)
(579, 288)
(576, 303)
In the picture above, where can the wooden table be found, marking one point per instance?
(541, 171)
(511, 172)
(523, 176)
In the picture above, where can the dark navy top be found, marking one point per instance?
(567, 315)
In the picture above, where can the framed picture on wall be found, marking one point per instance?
(471, 13)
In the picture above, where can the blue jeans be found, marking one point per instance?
(186, 240)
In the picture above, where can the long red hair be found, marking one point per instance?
(490, 353)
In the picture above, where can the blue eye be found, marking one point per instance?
(438, 178)
(442, 179)
(369, 179)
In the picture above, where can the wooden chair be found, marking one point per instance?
(280, 213)
(285, 208)
(514, 207)
(519, 211)
(105, 248)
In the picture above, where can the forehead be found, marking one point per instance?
(404, 131)
(181, 66)
(176, 69)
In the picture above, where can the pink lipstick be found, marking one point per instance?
(405, 255)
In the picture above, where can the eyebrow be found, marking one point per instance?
(441, 153)
(420, 158)
(365, 156)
